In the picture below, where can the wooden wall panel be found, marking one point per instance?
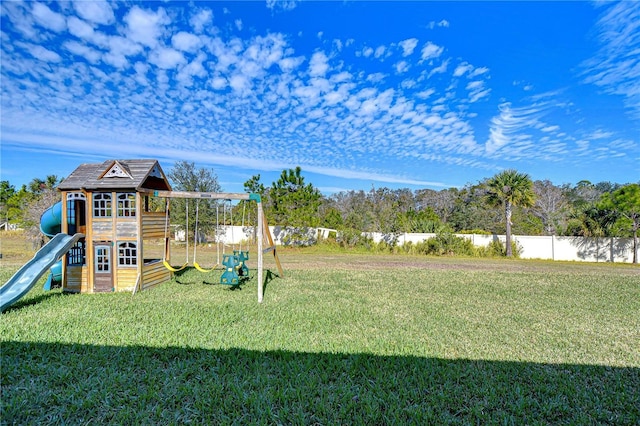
(102, 229)
(126, 279)
(126, 228)
(153, 225)
(76, 279)
(153, 274)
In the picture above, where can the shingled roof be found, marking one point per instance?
(117, 175)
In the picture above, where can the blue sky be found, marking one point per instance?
(358, 94)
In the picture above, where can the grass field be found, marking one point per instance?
(341, 339)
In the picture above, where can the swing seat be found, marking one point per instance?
(242, 257)
(201, 269)
(171, 268)
(230, 276)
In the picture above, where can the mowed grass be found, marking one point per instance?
(340, 339)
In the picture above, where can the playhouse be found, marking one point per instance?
(110, 203)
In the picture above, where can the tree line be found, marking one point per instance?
(507, 203)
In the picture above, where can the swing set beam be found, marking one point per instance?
(263, 228)
(207, 195)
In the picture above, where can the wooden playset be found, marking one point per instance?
(115, 205)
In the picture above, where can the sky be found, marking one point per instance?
(359, 94)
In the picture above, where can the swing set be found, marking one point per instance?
(235, 267)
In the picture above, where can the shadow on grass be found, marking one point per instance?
(268, 277)
(28, 301)
(74, 383)
(191, 276)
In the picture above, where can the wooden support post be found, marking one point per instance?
(260, 269)
(272, 246)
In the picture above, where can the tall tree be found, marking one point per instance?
(473, 212)
(6, 192)
(254, 185)
(185, 176)
(294, 202)
(508, 189)
(551, 206)
(37, 185)
(442, 202)
(625, 201)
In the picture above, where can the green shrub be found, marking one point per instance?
(446, 243)
(497, 248)
(350, 238)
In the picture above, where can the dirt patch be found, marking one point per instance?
(318, 261)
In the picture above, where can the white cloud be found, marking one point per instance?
(478, 71)
(443, 23)
(96, 11)
(192, 69)
(401, 67)
(48, 18)
(376, 77)
(380, 50)
(120, 48)
(506, 126)
(318, 64)
(282, 4)
(440, 69)
(141, 73)
(522, 133)
(425, 93)
(289, 64)
(615, 68)
(240, 84)
(219, 83)
(146, 27)
(462, 68)
(185, 41)
(408, 46)
(201, 20)
(431, 50)
(20, 18)
(83, 50)
(123, 46)
(41, 53)
(81, 29)
(600, 134)
(166, 58)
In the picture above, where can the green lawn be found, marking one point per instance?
(341, 339)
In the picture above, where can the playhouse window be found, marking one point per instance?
(76, 255)
(126, 205)
(127, 254)
(102, 204)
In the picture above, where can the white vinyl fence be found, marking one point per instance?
(581, 249)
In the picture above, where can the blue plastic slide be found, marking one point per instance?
(51, 219)
(27, 276)
(50, 225)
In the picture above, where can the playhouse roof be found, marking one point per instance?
(117, 175)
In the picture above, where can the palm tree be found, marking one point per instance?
(508, 189)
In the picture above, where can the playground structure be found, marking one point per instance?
(108, 217)
(235, 264)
